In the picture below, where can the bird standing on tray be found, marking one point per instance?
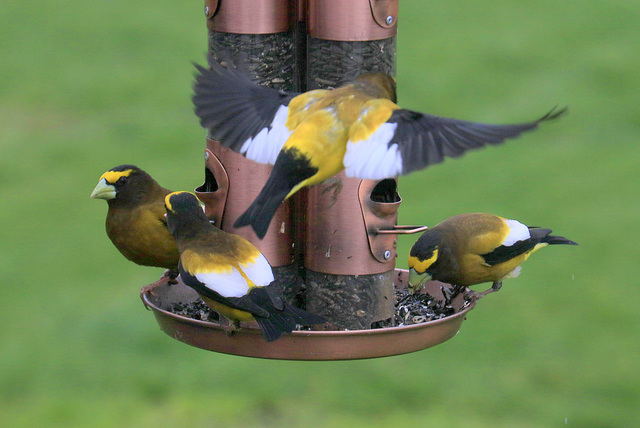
(135, 220)
(310, 137)
(228, 272)
(470, 249)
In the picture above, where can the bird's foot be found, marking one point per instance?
(333, 184)
(168, 277)
(495, 287)
(150, 289)
(475, 295)
(172, 274)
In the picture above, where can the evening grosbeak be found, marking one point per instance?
(312, 136)
(228, 272)
(470, 249)
(135, 220)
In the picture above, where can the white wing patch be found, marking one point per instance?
(373, 158)
(226, 284)
(259, 272)
(266, 145)
(233, 284)
(517, 232)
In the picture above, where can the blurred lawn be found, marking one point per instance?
(85, 86)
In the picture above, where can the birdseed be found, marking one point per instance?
(267, 58)
(333, 63)
(419, 307)
(197, 309)
(410, 309)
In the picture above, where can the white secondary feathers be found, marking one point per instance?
(233, 284)
(374, 158)
(518, 232)
(259, 272)
(266, 145)
(226, 284)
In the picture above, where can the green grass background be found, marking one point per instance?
(85, 86)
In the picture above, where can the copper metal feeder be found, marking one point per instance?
(339, 236)
(303, 345)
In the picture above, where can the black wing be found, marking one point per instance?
(505, 253)
(236, 110)
(424, 139)
(244, 303)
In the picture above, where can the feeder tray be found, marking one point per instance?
(303, 345)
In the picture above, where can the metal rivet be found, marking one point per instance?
(389, 19)
(206, 155)
(387, 255)
(206, 11)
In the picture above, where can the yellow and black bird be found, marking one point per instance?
(228, 272)
(470, 249)
(312, 136)
(135, 220)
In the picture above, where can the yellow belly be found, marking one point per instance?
(477, 272)
(142, 238)
(227, 312)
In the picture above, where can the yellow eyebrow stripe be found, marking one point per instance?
(167, 202)
(113, 176)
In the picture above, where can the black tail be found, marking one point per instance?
(283, 318)
(554, 240)
(262, 210)
(285, 321)
(544, 236)
(290, 169)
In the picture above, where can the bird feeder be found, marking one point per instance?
(332, 246)
(346, 39)
(257, 33)
(303, 345)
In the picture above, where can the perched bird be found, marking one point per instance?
(228, 272)
(312, 136)
(135, 220)
(470, 249)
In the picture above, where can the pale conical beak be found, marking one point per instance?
(103, 190)
(417, 280)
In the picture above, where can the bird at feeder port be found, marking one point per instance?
(470, 249)
(312, 136)
(229, 273)
(136, 222)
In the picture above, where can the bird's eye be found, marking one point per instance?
(121, 180)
